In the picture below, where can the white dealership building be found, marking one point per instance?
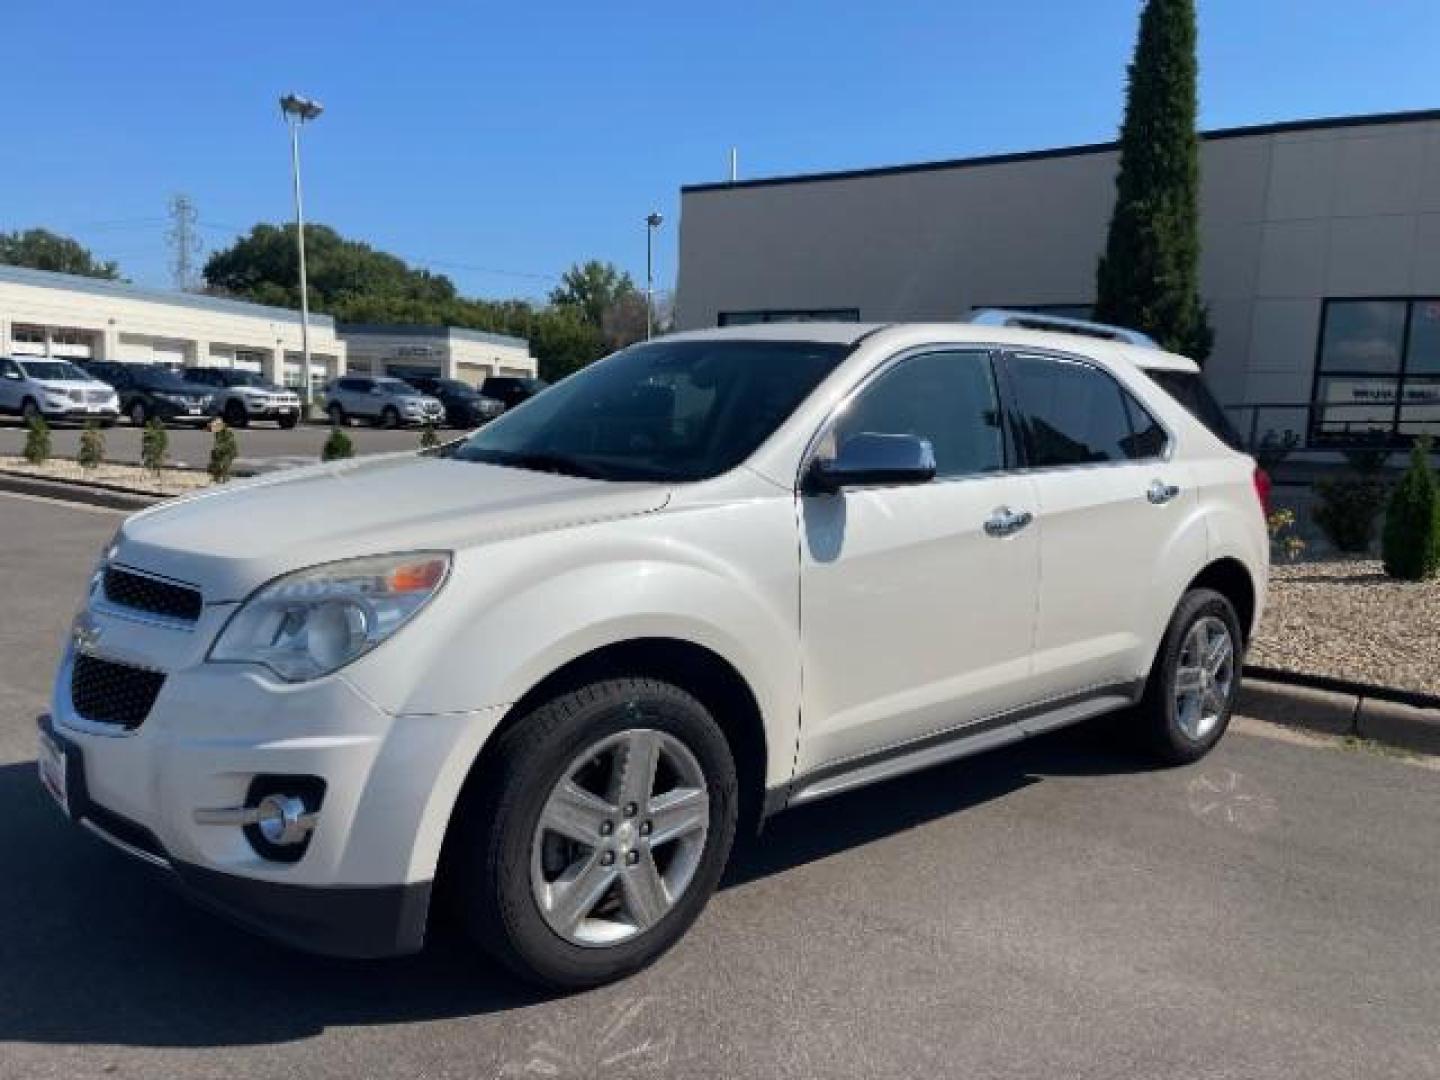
(1320, 265)
(446, 351)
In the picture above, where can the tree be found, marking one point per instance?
(1410, 541)
(1148, 277)
(592, 288)
(41, 249)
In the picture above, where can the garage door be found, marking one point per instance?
(171, 353)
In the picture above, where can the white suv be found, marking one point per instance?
(557, 664)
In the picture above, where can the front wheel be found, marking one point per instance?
(139, 415)
(389, 417)
(1192, 686)
(337, 415)
(30, 412)
(599, 834)
(235, 415)
(288, 421)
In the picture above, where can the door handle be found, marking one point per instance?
(1004, 521)
(1160, 492)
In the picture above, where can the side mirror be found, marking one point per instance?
(870, 458)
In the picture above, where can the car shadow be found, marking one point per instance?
(95, 949)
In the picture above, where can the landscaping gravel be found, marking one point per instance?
(127, 477)
(1344, 618)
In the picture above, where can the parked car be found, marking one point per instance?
(558, 665)
(152, 392)
(381, 400)
(242, 396)
(465, 407)
(511, 390)
(54, 389)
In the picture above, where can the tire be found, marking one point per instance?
(1182, 726)
(337, 415)
(235, 415)
(389, 417)
(509, 867)
(139, 415)
(287, 422)
(107, 423)
(30, 410)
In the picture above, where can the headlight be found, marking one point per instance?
(315, 621)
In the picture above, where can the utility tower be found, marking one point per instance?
(184, 243)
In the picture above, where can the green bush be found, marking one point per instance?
(428, 437)
(154, 447)
(37, 441)
(337, 446)
(223, 451)
(1370, 453)
(1410, 543)
(92, 447)
(1347, 509)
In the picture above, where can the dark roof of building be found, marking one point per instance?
(1376, 119)
(422, 331)
(45, 279)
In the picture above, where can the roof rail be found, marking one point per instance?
(1039, 320)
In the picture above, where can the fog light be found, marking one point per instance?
(283, 820)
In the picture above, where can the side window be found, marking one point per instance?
(1070, 413)
(946, 397)
(1148, 438)
(8, 366)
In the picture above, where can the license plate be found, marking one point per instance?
(193, 410)
(51, 760)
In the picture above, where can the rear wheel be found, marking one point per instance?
(599, 834)
(1192, 686)
(139, 415)
(30, 411)
(288, 421)
(235, 414)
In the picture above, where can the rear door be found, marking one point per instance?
(12, 383)
(1114, 509)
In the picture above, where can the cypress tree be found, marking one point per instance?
(1149, 276)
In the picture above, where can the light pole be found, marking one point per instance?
(297, 110)
(653, 221)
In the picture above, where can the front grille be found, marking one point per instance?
(105, 692)
(152, 595)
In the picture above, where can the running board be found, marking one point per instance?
(973, 738)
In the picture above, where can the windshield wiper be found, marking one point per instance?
(548, 462)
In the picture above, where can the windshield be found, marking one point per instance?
(158, 378)
(243, 378)
(454, 386)
(682, 410)
(53, 371)
(395, 386)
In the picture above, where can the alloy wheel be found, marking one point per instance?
(1204, 677)
(619, 838)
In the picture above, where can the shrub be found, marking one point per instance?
(223, 451)
(1275, 448)
(1410, 543)
(154, 447)
(1285, 542)
(1347, 509)
(37, 441)
(1369, 455)
(92, 447)
(337, 446)
(428, 438)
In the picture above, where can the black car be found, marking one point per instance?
(511, 390)
(465, 407)
(150, 392)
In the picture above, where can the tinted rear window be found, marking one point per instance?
(1189, 389)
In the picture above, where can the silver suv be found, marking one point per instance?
(54, 389)
(242, 396)
(381, 400)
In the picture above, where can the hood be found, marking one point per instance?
(61, 386)
(232, 540)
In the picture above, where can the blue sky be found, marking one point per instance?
(499, 143)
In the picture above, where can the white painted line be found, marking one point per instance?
(66, 503)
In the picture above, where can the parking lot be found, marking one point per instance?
(190, 444)
(1055, 909)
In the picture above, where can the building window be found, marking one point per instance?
(28, 335)
(1378, 375)
(751, 318)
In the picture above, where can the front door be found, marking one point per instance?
(916, 619)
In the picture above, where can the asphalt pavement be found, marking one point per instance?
(1057, 909)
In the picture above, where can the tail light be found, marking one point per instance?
(1263, 485)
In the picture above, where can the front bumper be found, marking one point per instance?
(75, 411)
(358, 922)
(362, 885)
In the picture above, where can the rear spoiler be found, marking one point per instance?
(1037, 320)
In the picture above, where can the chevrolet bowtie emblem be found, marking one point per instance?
(85, 633)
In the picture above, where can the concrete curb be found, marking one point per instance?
(1344, 713)
(114, 498)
